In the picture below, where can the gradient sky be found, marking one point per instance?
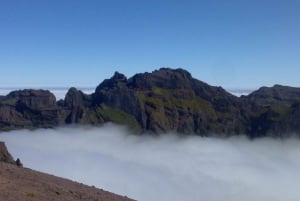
(234, 44)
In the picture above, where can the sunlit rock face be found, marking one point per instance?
(28, 109)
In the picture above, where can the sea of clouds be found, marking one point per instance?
(60, 92)
(240, 92)
(168, 168)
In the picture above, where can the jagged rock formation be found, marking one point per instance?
(76, 108)
(28, 109)
(5, 156)
(173, 100)
(161, 101)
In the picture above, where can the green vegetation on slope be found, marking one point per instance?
(118, 116)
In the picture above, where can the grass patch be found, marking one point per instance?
(30, 195)
(118, 116)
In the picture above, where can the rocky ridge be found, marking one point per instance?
(157, 102)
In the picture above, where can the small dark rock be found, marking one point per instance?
(19, 163)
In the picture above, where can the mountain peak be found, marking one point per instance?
(119, 76)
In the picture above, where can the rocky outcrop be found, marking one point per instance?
(173, 100)
(28, 108)
(77, 108)
(5, 156)
(274, 111)
(157, 102)
(116, 101)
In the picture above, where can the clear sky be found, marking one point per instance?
(235, 44)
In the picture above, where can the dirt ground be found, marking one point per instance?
(23, 184)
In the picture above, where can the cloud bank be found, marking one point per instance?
(240, 92)
(59, 92)
(168, 168)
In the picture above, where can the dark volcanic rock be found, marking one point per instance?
(28, 108)
(35, 100)
(273, 95)
(158, 102)
(173, 100)
(11, 118)
(291, 122)
(165, 78)
(5, 156)
(273, 111)
(113, 96)
(76, 108)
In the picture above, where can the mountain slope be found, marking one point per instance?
(157, 102)
(275, 111)
(18, 184)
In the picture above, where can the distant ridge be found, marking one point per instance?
(157, 102)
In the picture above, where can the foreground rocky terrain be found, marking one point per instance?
(23, 184)
(158, 102)
(5, 156)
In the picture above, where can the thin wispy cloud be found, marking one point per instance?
(164, 168)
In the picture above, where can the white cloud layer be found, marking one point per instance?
(167, 168)
(240, 92)
(59, 92)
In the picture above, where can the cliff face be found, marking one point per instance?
(157, 102)
(173, 100)
(5, 155)
(28, 109)
(274, 111)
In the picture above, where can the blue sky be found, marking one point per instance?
(234, 44)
